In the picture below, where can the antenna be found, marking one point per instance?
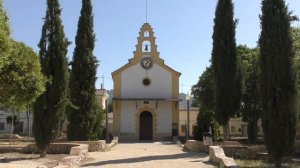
(102, 86)
(146, 11)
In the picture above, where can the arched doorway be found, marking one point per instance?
(146, 126)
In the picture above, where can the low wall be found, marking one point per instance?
(59, 148)
(77, 154)
(231, 148)
(114, 142)
(12, 136)
(54, 148)
(94, 146)
(217, 156)
(196, 146)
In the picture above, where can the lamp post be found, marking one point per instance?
(106, 117)
(188, 114)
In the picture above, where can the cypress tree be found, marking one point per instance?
(225, 63)
(277, 80)
(50, 106)
(83, 78)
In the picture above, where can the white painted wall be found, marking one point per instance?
(164, 120)
(130, 108)
(132, 82)
(127, 124)
(22, 118)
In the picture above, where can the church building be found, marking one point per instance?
(146, 94)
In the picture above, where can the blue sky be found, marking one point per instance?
(183, 30)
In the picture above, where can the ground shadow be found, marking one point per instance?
(196, 156)
(8, 160)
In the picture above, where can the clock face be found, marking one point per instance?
(146, 63)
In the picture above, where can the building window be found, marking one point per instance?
(146, 82)
(146, 34)
(146, 46)
(2, 124)
(232, 128)
(183, 128)
(146, 102)
(195, 128)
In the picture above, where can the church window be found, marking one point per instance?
(146, 46)
(146, 82)
(146, 34)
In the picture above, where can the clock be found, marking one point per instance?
(146, 63)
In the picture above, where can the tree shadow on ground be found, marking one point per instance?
(8, 160)
(193, 155)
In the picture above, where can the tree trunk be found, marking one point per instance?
(252, 131)
(28, 123)
(226, 132)
(43, 152)
(277, 164)
(11, 132)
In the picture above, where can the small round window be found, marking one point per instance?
(146, 82)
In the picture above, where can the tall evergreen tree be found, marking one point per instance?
(277, 79)
(225, 63)
(50, 106)
(83, 78)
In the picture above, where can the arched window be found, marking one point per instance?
(146, 46)
(146, 34)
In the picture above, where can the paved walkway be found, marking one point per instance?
(147, 155)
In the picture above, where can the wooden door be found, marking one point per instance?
(146, 126)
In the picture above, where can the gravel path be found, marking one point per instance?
(147, 155)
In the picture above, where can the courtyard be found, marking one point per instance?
(147, 155)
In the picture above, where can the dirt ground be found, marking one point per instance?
(18, 160)
(147, 155)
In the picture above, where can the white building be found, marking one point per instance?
(25, 119)
(25, 122)
(146, 94)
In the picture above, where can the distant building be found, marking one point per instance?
(25, 119)
(102, 96)
(183, 121)
(237, 127)
(25, 122)
(146, 94)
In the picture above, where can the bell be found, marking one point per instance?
(146, 47)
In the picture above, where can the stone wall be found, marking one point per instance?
(245, 152)
(77, 154)
(94, 146)
(217, 156)
(231, 148)
(54, 148)
(196, 146)
(59, 148)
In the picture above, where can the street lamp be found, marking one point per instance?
(106, 117)
(188, 114)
